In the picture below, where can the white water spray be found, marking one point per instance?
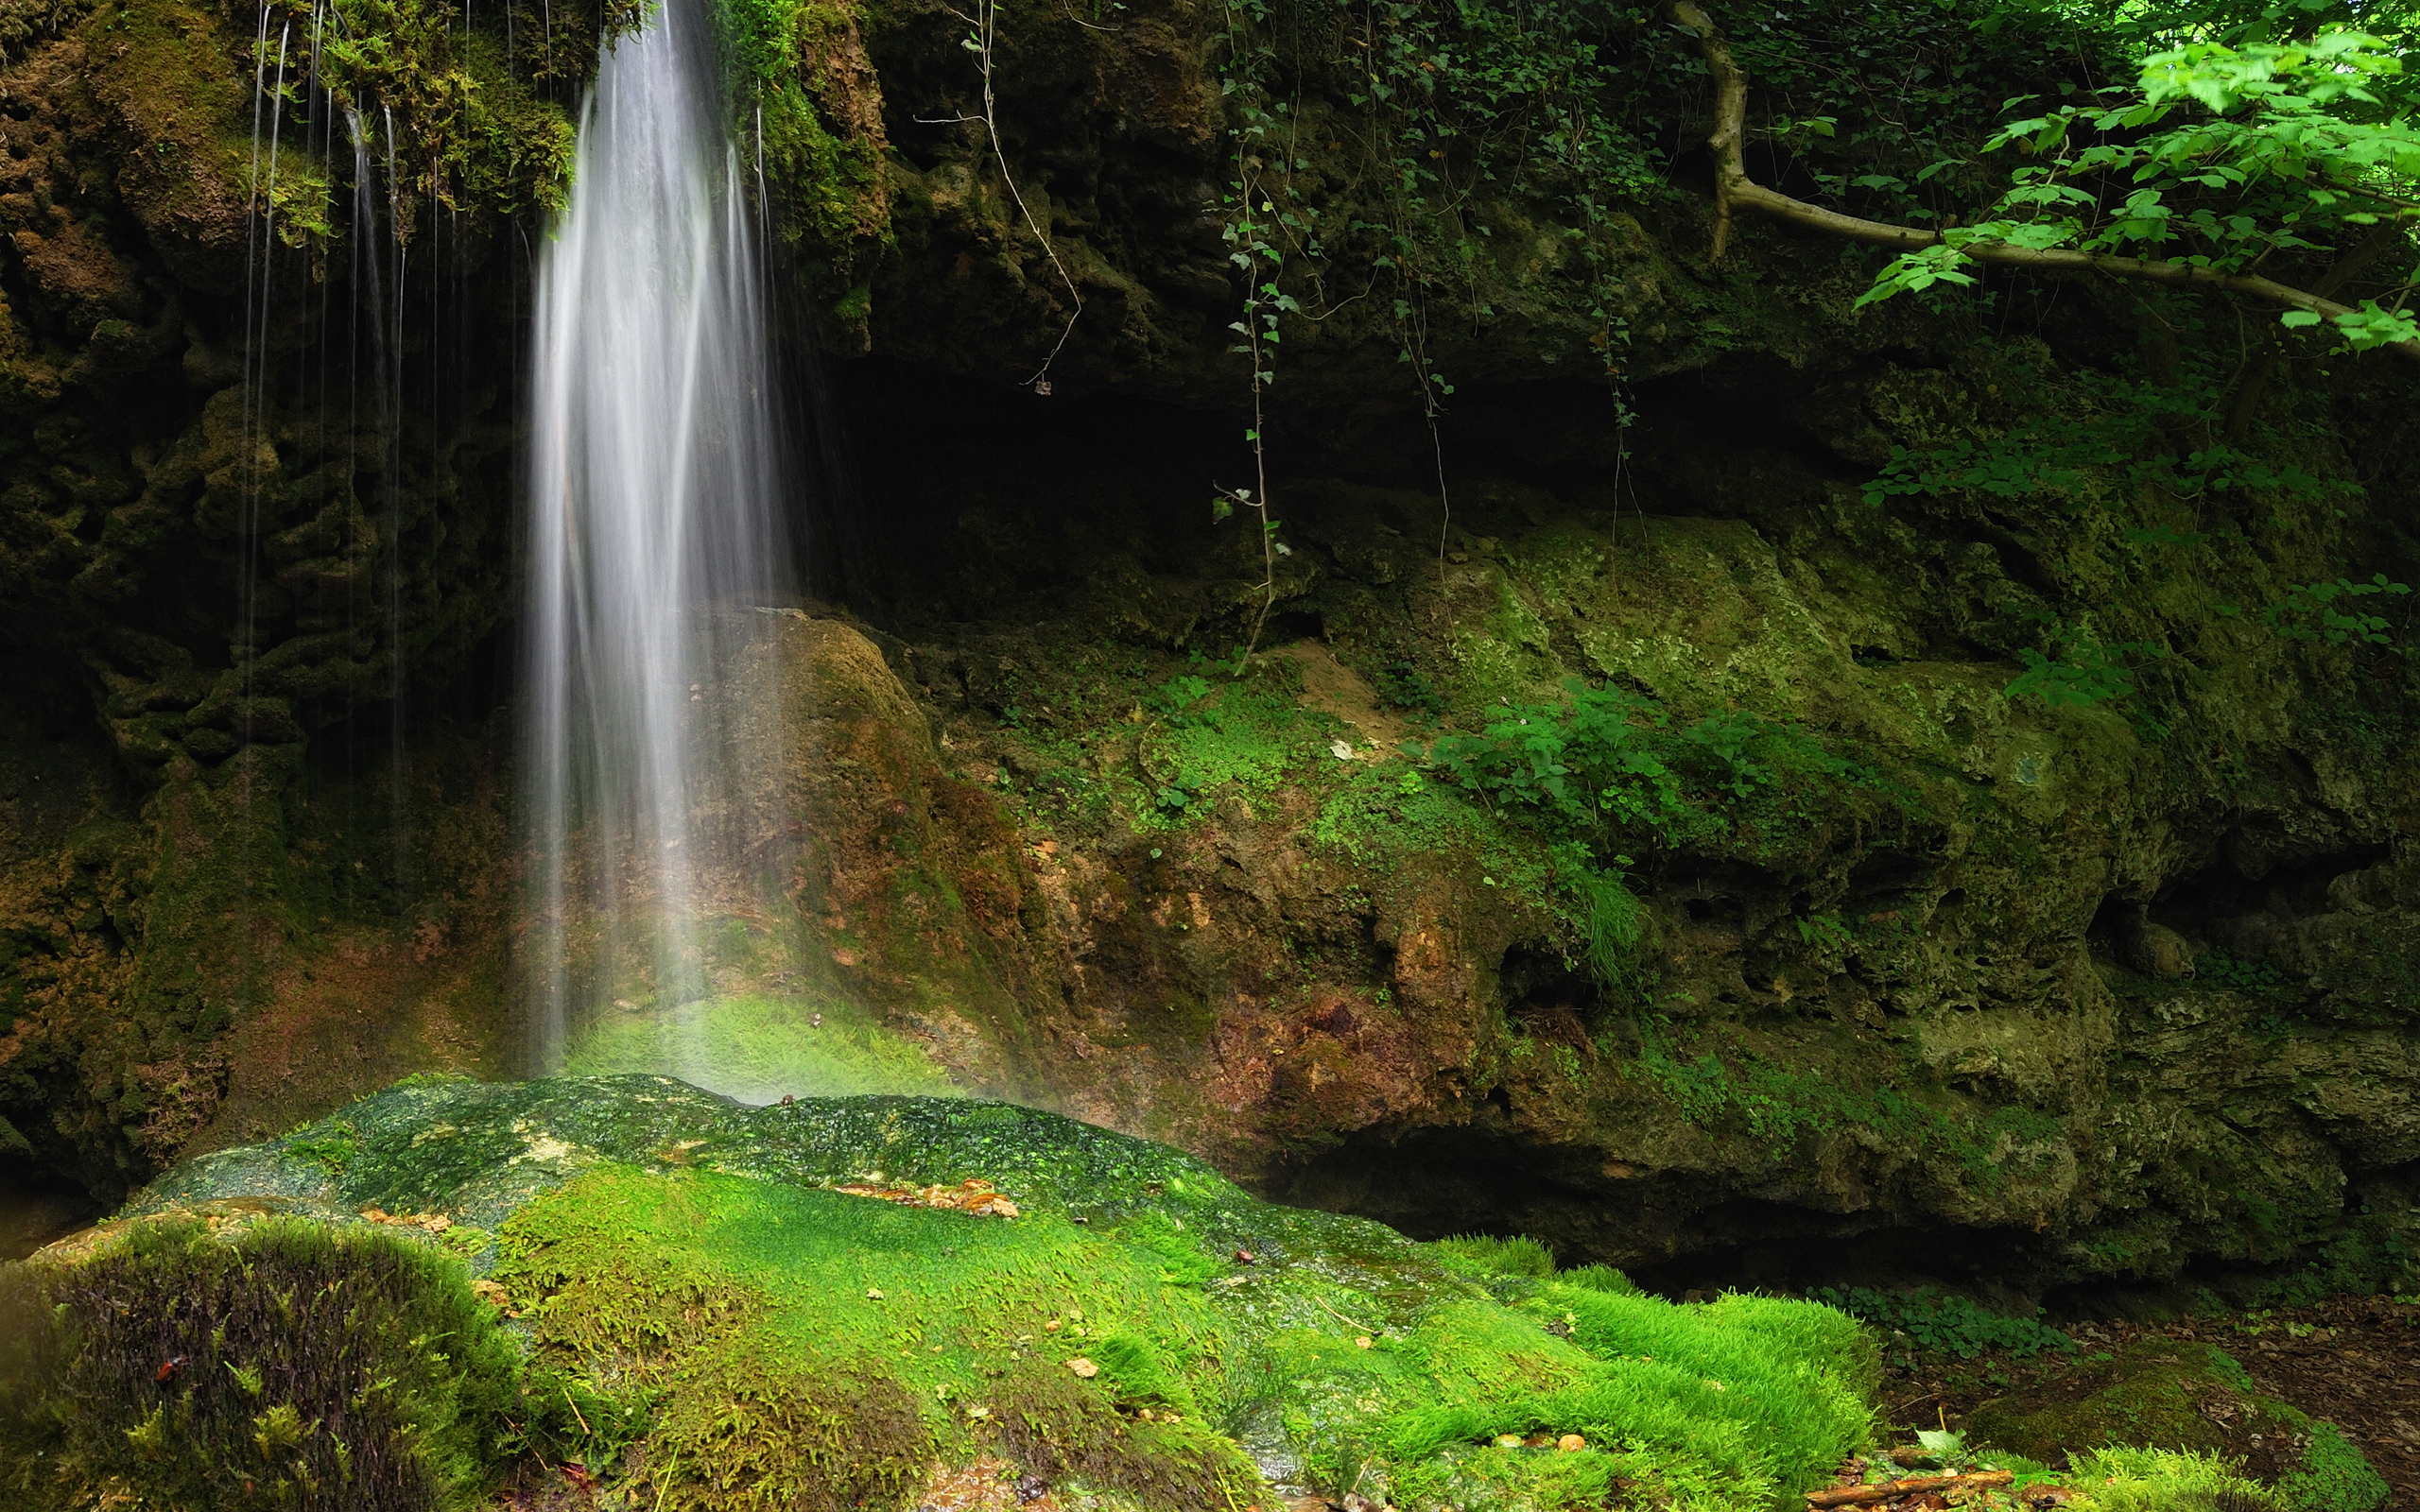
(653, 485)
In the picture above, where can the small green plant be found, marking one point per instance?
(2335, 1477)
(1176, 698)
(1403, 686)
(2244, 975)
(333, 1146)
(1580, 764)
(2081, 670)
(2310, 611)
(1930, 1322)
(1207, 739)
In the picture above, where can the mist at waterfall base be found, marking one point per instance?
(656, 484)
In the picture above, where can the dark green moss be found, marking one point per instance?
(2154, 1395)
(746, 1428)
(292, 1365)
(1065, 1427)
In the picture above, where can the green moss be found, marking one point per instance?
(693, 1288)
(1489, 1254)
(748, 1424)
(680, 1265)
(290, 1365)
(804, 96)
(2161, 1418)
(1391, 817)
(470, 114)
(1053, 1421)
(1213, 739)
(331, 1146)
(1715, 1415)
(758, 1049)
(1993, 1149)
(2335, 1477)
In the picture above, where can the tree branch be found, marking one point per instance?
(2381, 240)
(1734, 189)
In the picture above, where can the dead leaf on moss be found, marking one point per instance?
(436, 1222)
(1083, 1367)
(977, 1198)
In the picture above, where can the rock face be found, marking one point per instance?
(1918, 855)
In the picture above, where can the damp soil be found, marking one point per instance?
(2352, 1361)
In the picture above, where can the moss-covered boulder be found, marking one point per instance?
(2188, 1403)
(841, 1302)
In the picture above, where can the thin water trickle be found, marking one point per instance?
(653, 481)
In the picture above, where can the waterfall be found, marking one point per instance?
(653, 484)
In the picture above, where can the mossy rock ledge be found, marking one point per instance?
(661, 1298)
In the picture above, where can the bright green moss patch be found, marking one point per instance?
(1208, 739)
(2159, 1480)
(1492, 1255)
(1751, 1398)
(758, 1049)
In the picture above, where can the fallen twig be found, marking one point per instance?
(1893, 1490)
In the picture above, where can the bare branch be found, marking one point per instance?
(1734, 189)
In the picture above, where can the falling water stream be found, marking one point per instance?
(653, 482)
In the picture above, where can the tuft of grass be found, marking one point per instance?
(1599, 1278)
